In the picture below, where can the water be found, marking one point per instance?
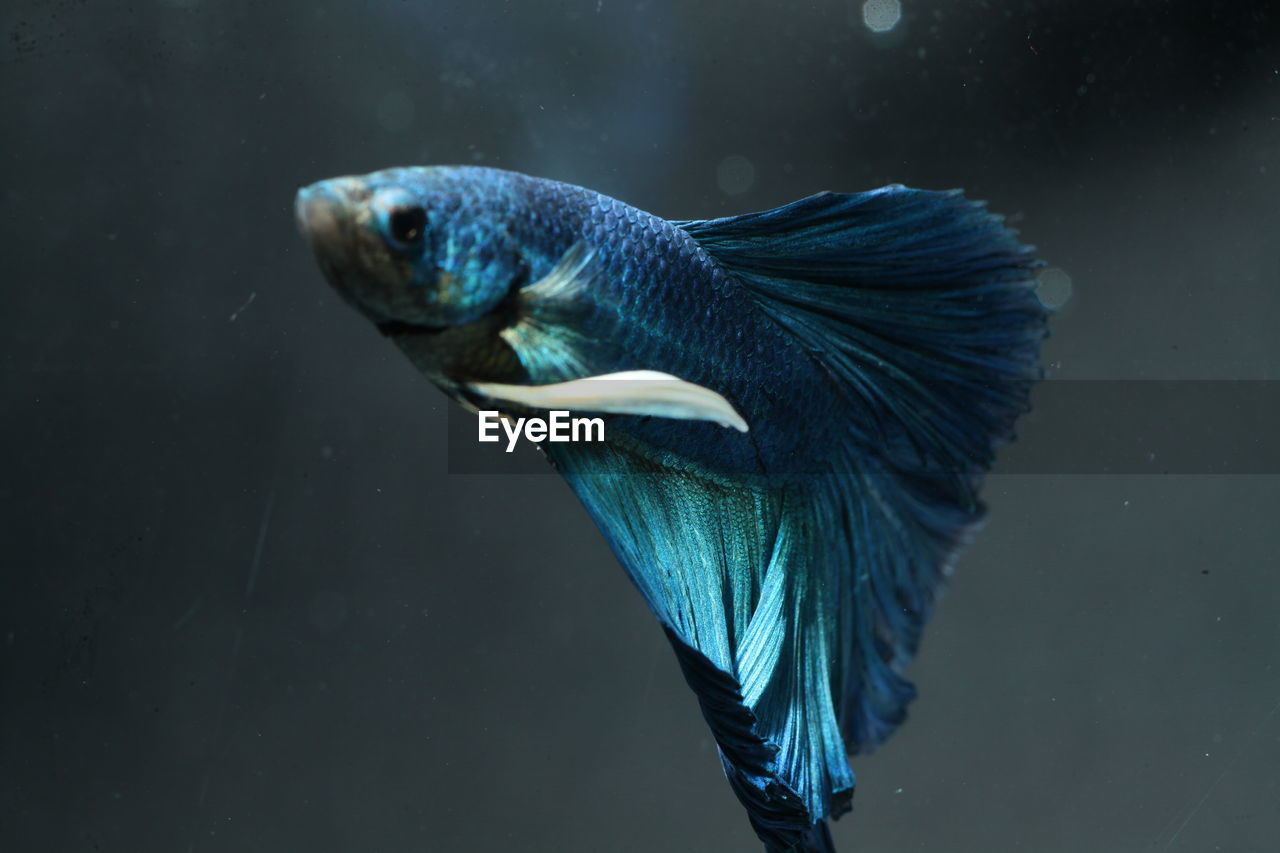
(245, 607)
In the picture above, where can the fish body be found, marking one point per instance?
(868, 350)
(647, 297)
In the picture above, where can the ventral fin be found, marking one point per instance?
(629, 392)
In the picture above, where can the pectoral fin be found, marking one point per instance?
(631, 392)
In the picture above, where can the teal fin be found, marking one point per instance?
(732, 573)
(794, 603)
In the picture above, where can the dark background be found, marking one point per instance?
(245, 607)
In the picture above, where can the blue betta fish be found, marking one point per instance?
(804, 402)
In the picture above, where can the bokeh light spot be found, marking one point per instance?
(1053, 287)
(735, 174)
(880, 16)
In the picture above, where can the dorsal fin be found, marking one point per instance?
(920, 303)
(921, 307)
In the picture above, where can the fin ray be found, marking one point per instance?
(545, 338)
(921, 308)
(795, 603)
(733, 574)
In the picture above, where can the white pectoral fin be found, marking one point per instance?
(631, 392)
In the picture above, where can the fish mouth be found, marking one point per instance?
(321, 210)
(330, 215)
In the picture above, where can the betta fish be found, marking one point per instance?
(800, 405)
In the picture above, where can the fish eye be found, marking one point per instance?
(406, 225)
(401, 218)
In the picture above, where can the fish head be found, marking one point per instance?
(419, 247)
(426, 255)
